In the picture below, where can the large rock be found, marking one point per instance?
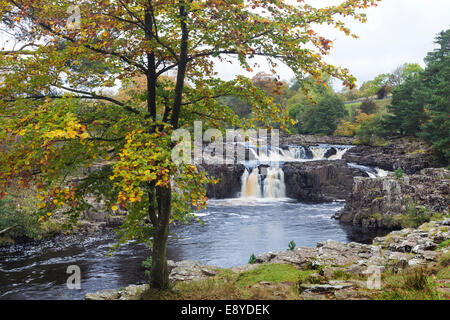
(230, 180)
(376, 203)
(319, 180)
(410, 155)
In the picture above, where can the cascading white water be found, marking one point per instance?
(339, 154)
(319, 153)
(271, 184)
(251, 184)
(274, 186)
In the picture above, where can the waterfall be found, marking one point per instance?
(272, 187)
(251, 186)
(339, 154)
(319, 153)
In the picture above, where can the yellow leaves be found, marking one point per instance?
(71, 133)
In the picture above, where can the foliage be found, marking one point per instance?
(368, 107)
(147, 264)
(319, 112)
(371, 130)
(399, 173)
(291, 245)
(20, 220)
(407, 109)
(414, 217)
(61, 130)
(437, 92)
(252, 259)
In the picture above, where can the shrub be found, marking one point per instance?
(414, 216)
(399, 173)
(368, 107)
(291, 245)
(147, 264)
(252, 259)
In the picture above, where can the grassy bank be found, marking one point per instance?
(282, 281)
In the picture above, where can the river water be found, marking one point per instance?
(233, 230)
(260, 220)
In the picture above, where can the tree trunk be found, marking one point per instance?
(159, 275)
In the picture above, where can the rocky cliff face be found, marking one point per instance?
(412, 156)
(319, 180)
(230, 180)
(381, 202)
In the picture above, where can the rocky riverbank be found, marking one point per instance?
(331, 270)
(410, 155)
(395, 202)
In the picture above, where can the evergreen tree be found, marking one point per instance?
(436, 80)
(407, 109)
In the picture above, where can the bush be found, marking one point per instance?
(368, 107)
(252, 259)
(291, 245)
(371, 131)
(414, 216)
(147, 264)
(20, 220)
(399, 173)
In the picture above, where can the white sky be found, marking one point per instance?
(397, 31)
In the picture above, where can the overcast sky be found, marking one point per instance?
(397, 31)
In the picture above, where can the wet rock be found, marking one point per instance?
(319, 180)
(230, 180)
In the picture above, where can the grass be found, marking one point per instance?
(444, 244)
(266, 281)
(412, 284)
(273, 273)
(280, 281)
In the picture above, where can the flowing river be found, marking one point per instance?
(233, 230)
(261, 219)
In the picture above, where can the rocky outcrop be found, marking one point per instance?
(396, 251)
(230, 180)
(410, 155)
(380, 202)
(319, 180)
(312, 140)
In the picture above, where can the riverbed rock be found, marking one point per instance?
(378, 203)
(319, 180)
(190, 270)
(230, 180)
(409, 154)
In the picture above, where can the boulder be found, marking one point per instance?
(318, 181)
(377, 203)
(410, 155)
(230, 180)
